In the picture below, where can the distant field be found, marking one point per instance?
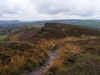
(3, 37)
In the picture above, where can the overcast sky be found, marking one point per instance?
(49, 9)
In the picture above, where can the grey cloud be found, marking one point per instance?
(56, 8)
(45, 9)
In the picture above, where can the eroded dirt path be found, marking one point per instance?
(53, 55)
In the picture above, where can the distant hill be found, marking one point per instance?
(9, 23)
(86, 23)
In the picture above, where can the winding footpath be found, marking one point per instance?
(53, 55)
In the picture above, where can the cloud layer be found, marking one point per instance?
(49, 9)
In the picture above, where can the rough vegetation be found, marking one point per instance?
(27, 49)
(16, 57)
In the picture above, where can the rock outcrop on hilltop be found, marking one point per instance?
(58, 30)
(51, 30)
